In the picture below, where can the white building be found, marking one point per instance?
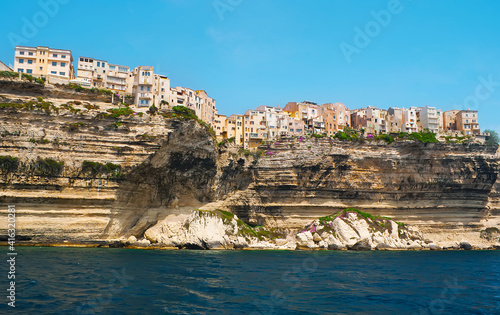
(431, 119)
(410, 120)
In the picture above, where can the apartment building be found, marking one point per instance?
(93, 70)
(42, 61)
(295, 127)
(450, 120)
(161, 90)
(235, 125)
(142, 86)
(220, 125)
(336, 117)
(431, 119)
(255, 128)
(410, 120)
(467, 122)
(116, 79)
(371, 119)
(310, 113)
(394, 120)
(205, 105)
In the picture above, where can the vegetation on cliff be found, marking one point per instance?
(244, 229)
(9, 164)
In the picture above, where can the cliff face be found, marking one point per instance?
(58, 199)
(449, 191)
(114, 177)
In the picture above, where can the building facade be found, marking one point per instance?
(467, 122)
(42, 61)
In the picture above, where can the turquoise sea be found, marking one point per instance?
(119, 281)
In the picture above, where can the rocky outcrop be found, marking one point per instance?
(355, 230)
(349, 229)
(214, 230)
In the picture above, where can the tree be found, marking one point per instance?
(493, 139)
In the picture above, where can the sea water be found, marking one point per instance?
(121, 281)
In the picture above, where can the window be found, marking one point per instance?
(21, 60)
(30, 62)
(142, 88)
(81, 59)
(21, 52)
(54, 55)
(98, 63)
(62, 73)
(29, 71)
(41, 68)
(53, 72)
(63, 64)
(103, 64)
(149, 88)
(63, 56)
(30, 53)
(54, 63)
(20, 70)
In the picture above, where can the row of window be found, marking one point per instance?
(30, 61)
(31, 71)
(42, 53)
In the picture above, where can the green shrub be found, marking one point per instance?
(387, 138)
(9, 164)
(424, 137)
(48, 167)
(96, 168)
(121, 111)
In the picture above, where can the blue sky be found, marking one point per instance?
(247, 53)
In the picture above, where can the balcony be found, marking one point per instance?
(254, 136)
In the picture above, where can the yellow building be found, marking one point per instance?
(220, 126)
(235, 128)
(43, 61)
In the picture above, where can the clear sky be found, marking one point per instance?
(247, 53)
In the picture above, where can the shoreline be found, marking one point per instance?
(173, 248)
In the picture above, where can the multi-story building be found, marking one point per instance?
(309, 113)
(161, 90)
(295, 127)
(235, 125)
(450, 120)
(43, 61)
(431, 119)
(220, 125)
(116, 79)
(197, 100)
(255, 128)
(467, 122)
(394, 120)
(410, 120)
(336, 117)
(205, 105)
(142, 86)
(371, 119)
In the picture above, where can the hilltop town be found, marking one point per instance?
(149, 90)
